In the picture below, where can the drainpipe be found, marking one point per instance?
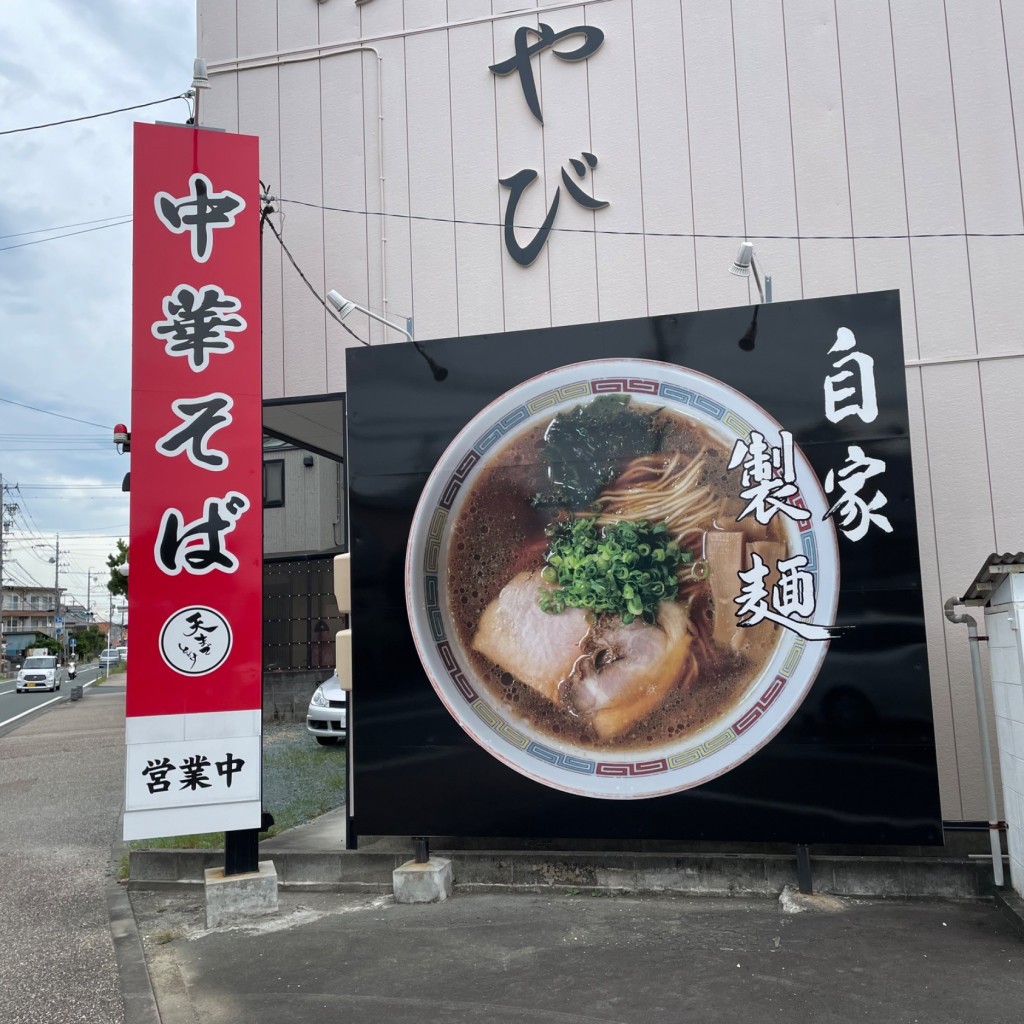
(986, 748)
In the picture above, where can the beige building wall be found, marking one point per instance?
(311, 520)
(861, 144)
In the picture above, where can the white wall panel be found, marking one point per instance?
(297, 25)
(502, 6)
(218, 105)
(874, 156)
(383, 234)
(962, 510)
(257, 30)
(465, 10)
(1002, 383)
(931, 162)
(984, 119)
(819, 148)
(1013, 54)
(664, 157)
(988, 164)
(258, 114)
(475, 162)
(422, 13)
(217, 30)
(714, 148)
(566, 102)
(338, 23)
(431, 190)
(347, 168)
(884, 263)
(305, 368)
(526, 293)
(766, 141)
(395, 228)
(621, 270)
(938, 667)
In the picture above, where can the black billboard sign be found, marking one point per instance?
(648, 578)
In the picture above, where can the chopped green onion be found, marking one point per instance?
(623, 568)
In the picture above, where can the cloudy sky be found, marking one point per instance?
(65, 302)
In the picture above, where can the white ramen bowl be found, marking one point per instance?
(768, 701)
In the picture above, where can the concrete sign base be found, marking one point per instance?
(423, 882)
(232, 898)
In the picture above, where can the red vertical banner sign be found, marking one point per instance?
(194, 698)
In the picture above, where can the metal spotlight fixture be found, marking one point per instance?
(200, 77)
(745, 264)
(345, 306)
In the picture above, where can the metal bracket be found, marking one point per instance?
(803, 868)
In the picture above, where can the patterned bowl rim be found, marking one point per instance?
(753, 720)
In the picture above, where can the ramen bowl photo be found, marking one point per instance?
(573, 587)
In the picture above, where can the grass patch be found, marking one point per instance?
(301, 781)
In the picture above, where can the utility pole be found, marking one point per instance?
(110, 627)
(58, 632)
(3, 520)
(7, 512)
(88, 594)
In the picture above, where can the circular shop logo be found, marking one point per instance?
(195, 640)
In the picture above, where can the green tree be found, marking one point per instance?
(88, 642)
(52, 646)
(118, 584)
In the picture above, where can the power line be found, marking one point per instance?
(68, 234)
(71, 487)
(64, 227)
(319, 297)
(665, 234)
(89, 117)
(47, 412)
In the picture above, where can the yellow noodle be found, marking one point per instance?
(659, 489)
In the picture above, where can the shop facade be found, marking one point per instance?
(481, 167)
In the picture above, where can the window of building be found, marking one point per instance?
(273, 483)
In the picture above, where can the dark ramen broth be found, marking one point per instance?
(499, 534)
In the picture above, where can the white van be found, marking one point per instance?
(109, 656)
(40, 672)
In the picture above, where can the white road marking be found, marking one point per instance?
(38, 707)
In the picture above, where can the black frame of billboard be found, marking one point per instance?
(856, 762)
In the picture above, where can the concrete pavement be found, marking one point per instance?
(73, 943)
(61, 791)
(577, 959)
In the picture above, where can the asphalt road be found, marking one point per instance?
(16, 707)
(61, 790)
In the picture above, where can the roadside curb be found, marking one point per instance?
(1012, 908)
(140, 1005)
(677, 874)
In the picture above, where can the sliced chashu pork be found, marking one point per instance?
(632, 671)
(538, 648)
(611, 676)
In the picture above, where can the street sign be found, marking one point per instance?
(72, 642)
(59, 620)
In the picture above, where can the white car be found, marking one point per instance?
(40, 672)
(109, 657)
(327, 716)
